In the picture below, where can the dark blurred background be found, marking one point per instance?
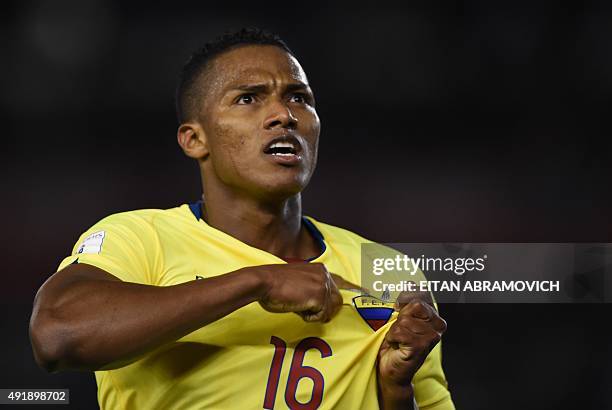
(470, 121)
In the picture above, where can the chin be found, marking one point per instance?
(283, 188)
(285, 191)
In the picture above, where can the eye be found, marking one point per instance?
(298, 98)
(245, 99)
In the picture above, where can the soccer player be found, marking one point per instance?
(237, 301)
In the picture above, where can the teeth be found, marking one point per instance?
(282, 145)
(283, 154)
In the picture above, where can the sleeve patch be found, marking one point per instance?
(93, 243)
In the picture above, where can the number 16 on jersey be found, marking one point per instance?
(297, 371)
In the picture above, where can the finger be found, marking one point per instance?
(438, 324)
(334, 302)
(396, 335)
(342, 283)
(313, 310)
(308, 316)
(322, 309)
(327, 306)
(330, 312)
(426, 313)
(312, 315)
(419, 309)
(406, 297)
(420, 342)
(409, 324)
(407, 352)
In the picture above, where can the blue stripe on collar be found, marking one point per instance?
(316, 234)
(196, 210)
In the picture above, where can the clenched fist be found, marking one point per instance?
(307, 289)
(414, 334)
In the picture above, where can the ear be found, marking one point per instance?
(192, 139)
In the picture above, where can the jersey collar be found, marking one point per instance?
(196, 210)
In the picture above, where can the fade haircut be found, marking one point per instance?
(190, 91)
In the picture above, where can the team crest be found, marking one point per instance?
(374, 311)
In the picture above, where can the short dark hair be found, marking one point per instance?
(188, 96)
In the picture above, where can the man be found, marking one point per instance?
(198, 307)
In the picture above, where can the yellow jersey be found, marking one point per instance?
(251, 358)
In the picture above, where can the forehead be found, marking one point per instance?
(255, 63)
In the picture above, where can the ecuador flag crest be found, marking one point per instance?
(374, 311)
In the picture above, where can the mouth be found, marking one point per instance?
(285, 149)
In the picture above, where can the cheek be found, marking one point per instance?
(312, 131)
(231, 148)
(227, 140)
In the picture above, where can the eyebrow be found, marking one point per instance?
(297, 86)
(258, 88)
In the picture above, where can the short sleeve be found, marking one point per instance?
(125, 245)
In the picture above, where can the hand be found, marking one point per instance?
(414, 334)
(307, 289)
(342, 283)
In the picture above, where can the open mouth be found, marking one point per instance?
(285, 146)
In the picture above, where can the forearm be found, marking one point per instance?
(94, 324)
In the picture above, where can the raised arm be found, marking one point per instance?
(86, 319)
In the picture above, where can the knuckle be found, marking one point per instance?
(443, 325)
(420, 306)
(400, 332)
(394, 330)
(392, 337)
(407, 338)
(314, 303)
(310, 318)
(413, 306)
(403, 313)
(404, 321)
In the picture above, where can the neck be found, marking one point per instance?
(273, 227)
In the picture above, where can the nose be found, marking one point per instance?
(280, 116)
